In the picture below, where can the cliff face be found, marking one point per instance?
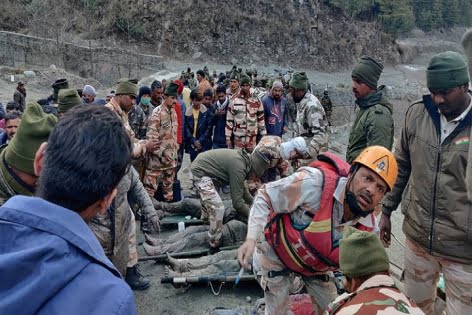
(295, 32)
(289, 32)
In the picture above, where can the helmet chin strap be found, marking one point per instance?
(350, 199)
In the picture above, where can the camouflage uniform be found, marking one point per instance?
(116, 229)
(296, 194)
(270, 147)
(160, 164)
(233, 232)
(310, 123)
(377, 295)
(327, 106)
(137, 120)
(422, 273)
(244, 122)
(139, 146)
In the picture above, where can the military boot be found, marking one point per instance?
(135, 279)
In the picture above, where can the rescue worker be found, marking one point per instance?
(297, 222)
(121, 103)
(244, 119)
(163, 128)
(327, 105)
(373, 124)
(17, 176)
(434, 152)
(217, 168)
(310, 119)
(370, 288)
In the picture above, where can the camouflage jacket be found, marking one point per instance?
(137, 120)
(311, 124)
(245, 118)
(163, 127)
(269, 146)
(112, 227)
(139, 146)
(377, 295)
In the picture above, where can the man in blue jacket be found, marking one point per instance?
(275, 110)
(51, 263)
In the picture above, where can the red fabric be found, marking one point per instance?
(301, 304)
(181, 86)
(178, 111)
(307, 252)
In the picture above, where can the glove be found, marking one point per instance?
(154, 223)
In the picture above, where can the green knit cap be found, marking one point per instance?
(57, 86)
(299, 81)
(171, 89)
(446, 70)
(245, 79)
(67, 99)
(361, 253)
(127, 86)
(368, 70)
(234, 75)
(34, 129)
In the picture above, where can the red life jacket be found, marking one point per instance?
(311, 250)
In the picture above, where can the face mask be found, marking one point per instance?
(145, 101)
(354, 206)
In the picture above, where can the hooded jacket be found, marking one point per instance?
(51, 263)
(228, 166)
(275, 114)
(438, 213)
(373, 124)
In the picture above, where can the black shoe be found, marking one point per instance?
(135, 279)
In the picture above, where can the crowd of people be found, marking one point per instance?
(76, 171)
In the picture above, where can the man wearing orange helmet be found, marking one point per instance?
(296, 222)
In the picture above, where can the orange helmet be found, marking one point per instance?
(381, 161)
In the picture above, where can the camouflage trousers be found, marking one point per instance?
(213, 209)
(132, 243)
(422, 274)
(247, 143)
(166, 177)
(277, 289)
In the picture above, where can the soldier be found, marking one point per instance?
(17, 175)
(279, 155)
(67, 99)
(434, 155)
(116, 228)
(121, 104)
(222, 167)
(245, 119)
(233, 84)
(365, 265)
(327, 105)
(373, 124)
(137, 117)
(161, 163)
(297, 222)
(157, 93)
(310, 120)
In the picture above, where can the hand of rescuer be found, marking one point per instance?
(152, 145)
(245, 253)
(385, 229)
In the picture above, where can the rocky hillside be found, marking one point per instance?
(286, 32)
